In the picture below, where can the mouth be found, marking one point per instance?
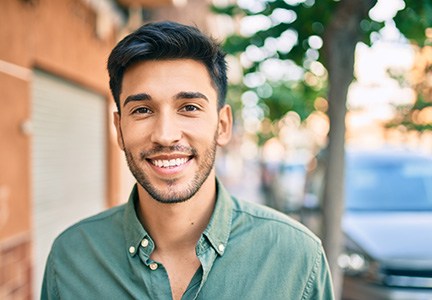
(169, 163)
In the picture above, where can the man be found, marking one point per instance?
(181, 235)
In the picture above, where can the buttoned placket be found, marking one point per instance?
(207, 256)
(211, 245)
(154, 271)
(158, 274)
(144, 244)
(213, 242)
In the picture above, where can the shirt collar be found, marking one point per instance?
(219, 227)
(217, 231)
(134, 231)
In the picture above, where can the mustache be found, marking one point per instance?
(159, 149)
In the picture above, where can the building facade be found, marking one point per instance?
(59, 160)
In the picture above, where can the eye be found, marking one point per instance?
(190, 108)
(141, 110)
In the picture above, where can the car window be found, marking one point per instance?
(389, 185)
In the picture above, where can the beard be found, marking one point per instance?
(170, 194)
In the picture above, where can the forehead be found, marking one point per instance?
(167, 77)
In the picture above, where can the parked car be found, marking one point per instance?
(387, 224)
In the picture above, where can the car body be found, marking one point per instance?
(387, 224)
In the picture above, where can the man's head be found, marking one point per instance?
(169, 82)
(167, 40)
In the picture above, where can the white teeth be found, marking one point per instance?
(164, 163)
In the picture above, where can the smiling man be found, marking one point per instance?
(181, 235)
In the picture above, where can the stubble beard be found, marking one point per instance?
(169, 194)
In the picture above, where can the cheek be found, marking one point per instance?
(134, 136)
(203, 130)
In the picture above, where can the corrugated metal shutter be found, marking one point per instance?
(69, 160)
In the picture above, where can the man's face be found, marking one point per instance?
(169, 127)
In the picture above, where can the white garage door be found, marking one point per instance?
(69, 160)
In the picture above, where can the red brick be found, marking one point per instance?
(15, 270)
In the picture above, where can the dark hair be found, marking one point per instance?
(167, 40)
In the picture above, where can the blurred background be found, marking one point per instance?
(329, 97)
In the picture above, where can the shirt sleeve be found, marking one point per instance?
(319, 285)
(49, 287)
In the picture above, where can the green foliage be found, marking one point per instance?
(308, 18)
(230, 10)
(301, 21)
(421, 103)
(406, 119)
(414, 19)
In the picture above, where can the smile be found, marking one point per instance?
(169, 163)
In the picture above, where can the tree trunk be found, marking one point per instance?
(340, 40)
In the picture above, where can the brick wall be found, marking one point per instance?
(15, 269)
(59, 37)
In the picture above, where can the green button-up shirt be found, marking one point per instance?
(246, 252)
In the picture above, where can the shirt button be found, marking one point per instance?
(131, 249)
(144, 242)
(153, 266)
(221, 248)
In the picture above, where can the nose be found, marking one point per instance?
(166, 131)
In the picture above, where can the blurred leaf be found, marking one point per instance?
(230, 10)
(414, 19)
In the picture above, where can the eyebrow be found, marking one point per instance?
(178, 96)
(190, 95)
(136, 97)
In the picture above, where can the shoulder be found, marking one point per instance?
(93, 227)
(272, 223)
(263, 234)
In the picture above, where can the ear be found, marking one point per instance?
(117, 118)
(224, 125)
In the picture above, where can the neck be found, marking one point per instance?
(177, 226)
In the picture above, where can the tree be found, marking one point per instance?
(311, 36)
(341, 37)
